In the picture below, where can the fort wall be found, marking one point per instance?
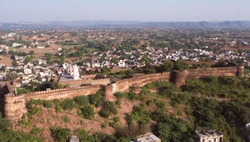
(104, 81)
(221, 71)
(15, 105)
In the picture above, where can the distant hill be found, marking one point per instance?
(117, 24)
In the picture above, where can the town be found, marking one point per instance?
(40, 56)
(124, 71)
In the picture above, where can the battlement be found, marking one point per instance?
(103, 81)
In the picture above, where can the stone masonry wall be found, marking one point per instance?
(104, 81)
(204, 72)
(15, 105)
(63, 93)
(177, 77)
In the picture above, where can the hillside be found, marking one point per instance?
(170, 112)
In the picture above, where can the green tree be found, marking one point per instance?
(82, 100)
(180, 65)
(108, 108)
(96, 99)
(167, 66)
(11, 76)
(31, 52)
(27, 60)
(67, 104)
(48, 56)
(56, 85)
(11, 52)
(87, 112)
(61, 134)
(14, 63)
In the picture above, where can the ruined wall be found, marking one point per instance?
(104, 81)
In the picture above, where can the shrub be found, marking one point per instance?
(119, 95)
(47, 104)
(150, 103)
(113, 124)
(104, 113)
(96, 99)
(132, 95)
(139, 114)
(36, 102)
(108, 108)
(61, 134)
(82, 100)
(116, 119)
(161, 105)
(56, 102)
(34, 110)
(144, 92)
(87, 112)
(66, 119)
(118, 102)
(59, 108)
(82, 122)
(104, 125)
(36, 131)
(67, 104)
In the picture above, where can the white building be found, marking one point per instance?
(209, 136)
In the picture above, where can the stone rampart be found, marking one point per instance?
(142, 80)
(104, 81)
(205, 72)
(177, 77)
(63, 93)
(15, 105)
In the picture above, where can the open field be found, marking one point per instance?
(236, 48)
(6, 60)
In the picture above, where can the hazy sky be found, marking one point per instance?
(125, 10)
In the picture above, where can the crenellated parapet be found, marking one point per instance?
(103, 81)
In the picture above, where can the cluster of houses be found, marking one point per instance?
(135, 58)
(116, 59)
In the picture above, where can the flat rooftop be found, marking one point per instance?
(148, 138)
(208, 133)
(67, 78)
